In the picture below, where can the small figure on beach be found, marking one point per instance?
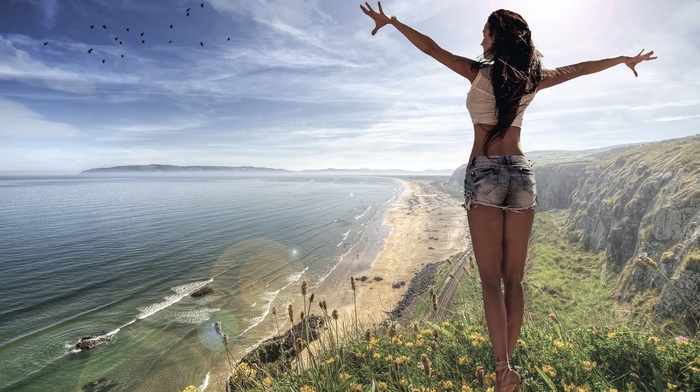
(499, 188)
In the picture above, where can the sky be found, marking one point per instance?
(301, 85)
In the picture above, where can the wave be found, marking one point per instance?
(345, 237)
(205, 383)
(255, 321)
(194, 316)
(364, 213)
(181, 292)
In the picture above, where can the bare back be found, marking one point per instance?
(509, 145)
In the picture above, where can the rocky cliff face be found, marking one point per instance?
(636, 202)
(646, 201)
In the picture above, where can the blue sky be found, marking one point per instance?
(303, 84)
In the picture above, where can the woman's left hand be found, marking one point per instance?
(380, 18)
(631, 62)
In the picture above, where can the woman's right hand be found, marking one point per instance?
(380, 18)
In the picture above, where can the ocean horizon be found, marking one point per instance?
(119, 256)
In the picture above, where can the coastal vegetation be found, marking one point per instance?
(576, 336)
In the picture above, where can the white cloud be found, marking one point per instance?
(16, 64)
(20, 122)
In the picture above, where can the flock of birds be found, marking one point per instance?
(141, 36)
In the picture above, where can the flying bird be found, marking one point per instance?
(127, 29)
(104, 27)
(171, 26)
(229, 38)
(188, 10)
(142, 34)
(116, 38)
(92, 26)
(120, 42)
(143, 41)
(201, 44)
(188, 14)
(46, 43)
(122, 56)
(202, 5)
(90, 50)
(170, 42)
(103, 61)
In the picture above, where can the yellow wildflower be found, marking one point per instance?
(549, 370)
(661, 349)
(462, 360)
(330, 361)
(343, 376)
(671, 387)
(191, 388)
(445, 385)
(653, 339)
(403, 382)
(307, 388)
(611, 335)
(477, 339)
(267, 382)
(612, 390)
(382, 386)
(588, 365)
(409, 344)
(466, 388)
(376, 355)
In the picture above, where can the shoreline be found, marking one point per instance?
(424, 226)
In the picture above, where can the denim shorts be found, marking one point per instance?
(502, 181)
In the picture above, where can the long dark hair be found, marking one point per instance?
(516, 68)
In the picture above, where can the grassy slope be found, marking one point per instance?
(574, 338)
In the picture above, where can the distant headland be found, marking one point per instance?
(175, 169)
(154, 168)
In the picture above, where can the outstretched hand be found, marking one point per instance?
(380, 18)
(631, 62)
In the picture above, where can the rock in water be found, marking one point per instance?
(91, 341)
(202, 292)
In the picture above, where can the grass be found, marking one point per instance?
(575, 337)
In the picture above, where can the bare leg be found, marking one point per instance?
(516, 236)
(500, 240)
(486, 227)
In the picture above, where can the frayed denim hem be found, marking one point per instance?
(474, 203)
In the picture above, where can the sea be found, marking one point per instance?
(117, 257)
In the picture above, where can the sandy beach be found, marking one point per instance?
(427, 225)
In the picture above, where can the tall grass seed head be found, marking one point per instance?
(304, 287)
(311, 298)
(352, 283)
(335, 314)
(217, 327)
(427, 365)
(290, 311)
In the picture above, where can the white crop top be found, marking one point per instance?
(481, 101)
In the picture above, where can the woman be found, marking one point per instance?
(500, 191)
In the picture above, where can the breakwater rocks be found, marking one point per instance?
(419, 284)
(281, 349)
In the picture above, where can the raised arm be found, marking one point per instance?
(555, 76)
(460, 65)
